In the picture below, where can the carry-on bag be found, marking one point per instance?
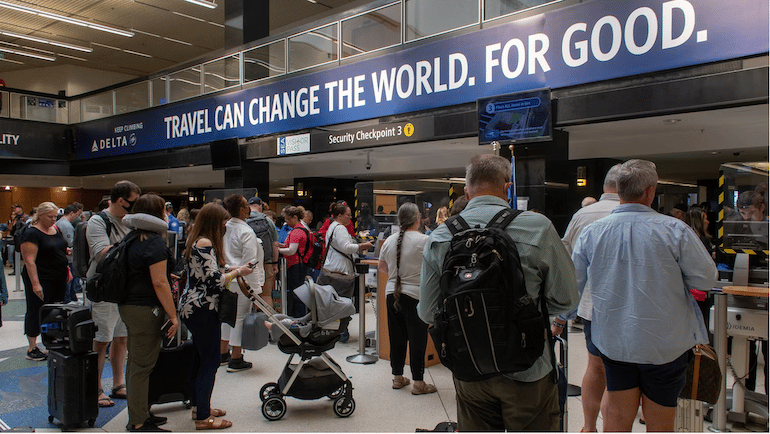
(172, 378)
(73, 384)
(67, 326)
(255, 333)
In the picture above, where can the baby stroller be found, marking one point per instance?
(316, 375)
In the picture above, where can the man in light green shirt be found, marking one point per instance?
(526, 400)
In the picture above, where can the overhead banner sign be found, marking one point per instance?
(33, 140)
(584, 43)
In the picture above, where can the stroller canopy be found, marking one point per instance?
(328, 305)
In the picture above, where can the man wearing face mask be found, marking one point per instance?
(101, 235)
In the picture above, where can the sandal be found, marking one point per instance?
(215, 412)
(427, 388)
(212, 423)
(104, 402)
(399, 383)
(115, 395)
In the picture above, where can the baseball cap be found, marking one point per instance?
(255, 201)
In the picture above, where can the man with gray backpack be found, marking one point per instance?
(490, 280)
(264, 228)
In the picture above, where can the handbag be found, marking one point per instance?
(343, 284)
(703, 378)
(227, 307)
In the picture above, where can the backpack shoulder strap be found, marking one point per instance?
(503, 218)
(456, 224)
(107, 222)
(307, 241)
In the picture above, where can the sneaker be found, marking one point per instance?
(238, 364)
(36, 355)
(345, 336)
(224, 358)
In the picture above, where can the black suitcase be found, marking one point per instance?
(173, 377)
(73, 385)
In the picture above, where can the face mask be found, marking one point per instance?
(130, 205)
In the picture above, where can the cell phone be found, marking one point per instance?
(252, 265)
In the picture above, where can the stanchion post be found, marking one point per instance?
(362, 357)
(719, 415)
(17, 269)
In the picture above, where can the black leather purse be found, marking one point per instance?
(227, 307)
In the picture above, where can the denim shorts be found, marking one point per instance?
(661, 383)
(589, 343)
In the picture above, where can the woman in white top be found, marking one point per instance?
(401, 258)
(338, 255)
(241, 247)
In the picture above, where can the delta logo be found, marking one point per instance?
(113, 142)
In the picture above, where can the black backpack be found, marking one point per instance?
(313, 248)
(487, 324)
(109, 281)
(20, 228)
(261, 229)
(81, 253)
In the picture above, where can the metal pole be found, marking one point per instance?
(17, 269)
(720, 344)
(362, 357)
(283, 285)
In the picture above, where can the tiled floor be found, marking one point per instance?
(379, 408)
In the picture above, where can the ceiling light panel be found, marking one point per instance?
(27, 54)
(59, 17)
(46, 41)
(205, 3)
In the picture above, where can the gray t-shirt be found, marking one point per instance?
(66, 229)
(97, 237)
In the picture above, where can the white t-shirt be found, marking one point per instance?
(411, 262)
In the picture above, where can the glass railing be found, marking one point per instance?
(383, 26)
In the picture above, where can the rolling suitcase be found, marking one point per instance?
(173, 377)
(72, 388)
(255, 334)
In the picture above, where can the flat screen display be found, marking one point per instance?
(517, 117)
(225, 154)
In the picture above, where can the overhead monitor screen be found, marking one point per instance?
(517, 117)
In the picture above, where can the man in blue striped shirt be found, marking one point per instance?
(640, 266)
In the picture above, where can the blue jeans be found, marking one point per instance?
(207, 332)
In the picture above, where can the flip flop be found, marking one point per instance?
(115, 395)
(104, 402)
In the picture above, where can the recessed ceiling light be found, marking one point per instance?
(672, 121)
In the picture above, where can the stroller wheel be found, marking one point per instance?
(274, 408)
(337, 393)
(342, 410)
(269, 389)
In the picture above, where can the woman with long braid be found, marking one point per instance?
(401, 258)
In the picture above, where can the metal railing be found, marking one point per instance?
(380, 26)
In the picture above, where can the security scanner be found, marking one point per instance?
(740, 310)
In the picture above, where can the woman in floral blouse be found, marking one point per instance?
(207, 278)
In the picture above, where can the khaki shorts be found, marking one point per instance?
(107, 319)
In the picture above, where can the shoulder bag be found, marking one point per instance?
(343, 284)
(228, 306)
